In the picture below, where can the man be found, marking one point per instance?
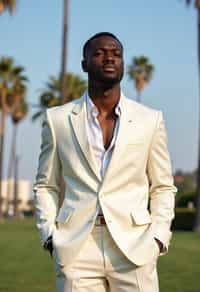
(112, 154)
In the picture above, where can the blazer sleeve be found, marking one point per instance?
(162, 189)
(47, 184)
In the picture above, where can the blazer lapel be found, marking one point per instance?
(78, 121)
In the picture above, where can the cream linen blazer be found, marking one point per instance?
(136, 195)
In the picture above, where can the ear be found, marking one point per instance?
(84, 65)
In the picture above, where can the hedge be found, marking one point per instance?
(184, 199)
(184, 219)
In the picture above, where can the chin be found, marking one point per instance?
(111, 81)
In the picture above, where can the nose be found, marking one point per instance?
(108, 57)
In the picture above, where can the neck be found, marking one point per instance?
(105, 99)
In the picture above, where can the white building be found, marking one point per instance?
(23, 195)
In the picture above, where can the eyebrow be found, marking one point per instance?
(113, 48)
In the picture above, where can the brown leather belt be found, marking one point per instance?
(100, 220)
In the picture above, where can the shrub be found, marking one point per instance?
(184, 219)
(185, 199)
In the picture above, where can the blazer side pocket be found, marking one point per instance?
(64, 215)
(140, 217)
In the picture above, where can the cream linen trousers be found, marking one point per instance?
(101, 267)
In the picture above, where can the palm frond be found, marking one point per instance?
(140, 71)
(50, 95)
(12, 82)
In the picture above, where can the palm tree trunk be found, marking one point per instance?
(11, 167)
(2, 131)
(16, 195)
(64, 53)
(63, 80)
(2, 7)
(139, 96)
(197, 216)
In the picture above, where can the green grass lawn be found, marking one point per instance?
(25, 267)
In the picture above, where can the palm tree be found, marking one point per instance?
(63, 73)
(9, 5)
(196, 3)
(18, 114)
(140, 71)
(11, 82)
(50, 95)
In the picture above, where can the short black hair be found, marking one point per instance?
(98, 35)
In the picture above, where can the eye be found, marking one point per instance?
(117, 53)
(98, 53)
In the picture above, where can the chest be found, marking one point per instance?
(107, 127)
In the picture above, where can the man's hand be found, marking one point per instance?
(48, 245)
(160, 244)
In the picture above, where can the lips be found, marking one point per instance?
(109, 69)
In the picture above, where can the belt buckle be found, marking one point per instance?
(99, 220)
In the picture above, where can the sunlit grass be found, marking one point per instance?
(24, 266)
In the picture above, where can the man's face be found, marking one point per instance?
(104, 61)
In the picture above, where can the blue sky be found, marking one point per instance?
(164, 31)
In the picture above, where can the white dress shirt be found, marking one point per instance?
(95, 136)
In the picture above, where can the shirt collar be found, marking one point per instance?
(93, 110)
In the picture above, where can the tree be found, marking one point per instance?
(12, 81)
(63, 73)
(17, 116)
(140, 71)
(196, 3)
(50, 95)
(9, 5)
